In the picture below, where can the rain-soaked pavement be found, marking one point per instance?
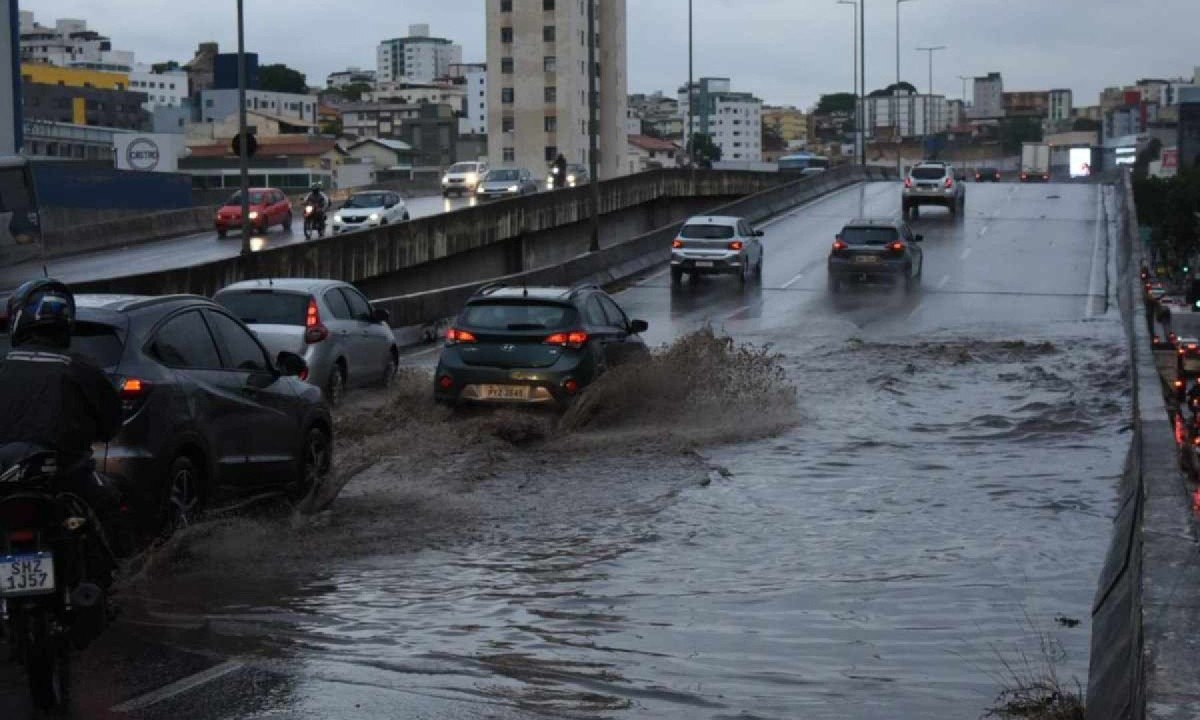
(939, 499)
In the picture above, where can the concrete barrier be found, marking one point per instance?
(1145, 615)
(126, 231)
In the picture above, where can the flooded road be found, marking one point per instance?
(858, 525)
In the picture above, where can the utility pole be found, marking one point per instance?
(243, 136)
(593, 130)
(895, 96)
(862, 79)
(690, 142)
(854, 59)
(963, 119)
(929, 98)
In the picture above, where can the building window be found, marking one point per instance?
(548, 34)
(506, 96)
(506, 124)
(548, 5)
(506, 65)
(550, 63)
(506, 35)
(551, 153)
(551, 94)
(510, 155)
(506, 6)
(551, 123)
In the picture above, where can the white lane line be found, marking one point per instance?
(942, 283)
(733, 314)
(984, 230)
(966, 253)
(426, 351)
(793, 281)
(178, 687)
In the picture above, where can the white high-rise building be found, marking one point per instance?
(70, 44)
(417, 58)
(537, 54)
(165, 89)
(733, 119)
(474, 114)
(917, 114)
(989, 97)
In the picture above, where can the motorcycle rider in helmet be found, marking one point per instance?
(57, 401)
(317, 198)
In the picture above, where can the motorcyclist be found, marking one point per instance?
(560, 171)
(58, 401)
(318, 199)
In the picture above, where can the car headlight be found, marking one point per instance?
(253, 214)
(479, 189)
(571, 178)
(445, 180)
(374, 217)
(472, 178)
(337, 218)
(514, 188)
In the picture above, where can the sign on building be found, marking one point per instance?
(148, 152)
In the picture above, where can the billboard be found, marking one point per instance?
(1081, 162)
(148, 152)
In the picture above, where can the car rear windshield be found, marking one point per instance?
(707, 232)
(462, 168)
(266, 307)
(929, 173)
(868, 235)
(98, 343)
(518, 316)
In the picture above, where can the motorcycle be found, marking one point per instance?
(56, 568)
(314, 221)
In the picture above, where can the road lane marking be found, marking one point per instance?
(178, 687)
(966, 253)
(792, 282)
(737, 312)
(942, 283)
(984, 230)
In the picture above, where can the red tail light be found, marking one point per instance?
(445, 382)
(574, 340)
(949, 183)
(839, 246)
(896, 247)
(454, 336)
(908, 182)
(977, 176)
(1024, 176)
(571, 386)
(676, 243)
(133, 393)
(736, 245)
(1178, 384)
(314, 330)
(21, 536)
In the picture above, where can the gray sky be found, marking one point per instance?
(786, 51)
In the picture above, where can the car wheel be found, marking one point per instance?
(221, 234)
(835, 285)
(406, 217)
(916, 211)
(389, 370)
(676, 276)
(335, 386)
(287, 222)
(184, 495)
(744, 275)
(758, 269)
(315, 465)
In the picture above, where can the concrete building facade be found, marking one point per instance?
(537, 101)
(989, 97)
(1061, 104)
(69, 44)
(218, 104)
(791, 123)
(377, 120)
(416, 58)
(350, 76)
(917, 115)
(474, 113)
(732, 119)
(167, 89)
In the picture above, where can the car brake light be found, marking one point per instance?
(445, 382)
(676, 243)
(977, 176)
(455, 336)
(896, 247)
(949, 183)
(314, 330)
(908, 182)
(571, 386)
(736, 245)
(1178, 384)
(21, 536)
(133, 393)
(573, 340)
(1024, 176)
(839, 246)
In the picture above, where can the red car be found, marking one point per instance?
(268, 207)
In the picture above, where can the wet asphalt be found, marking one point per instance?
(941, 501)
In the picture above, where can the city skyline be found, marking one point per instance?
(1042, 46)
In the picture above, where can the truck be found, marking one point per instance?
(1035, 162)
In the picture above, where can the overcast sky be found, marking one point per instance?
(786, 51)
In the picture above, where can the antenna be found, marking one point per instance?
(45, 271)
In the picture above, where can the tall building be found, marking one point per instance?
(732, 119)
(1061, 106)
(416, 58)
(218, 104)
(163, 89)
(791, 123)
(989, 97)
(350, 76)
(537, 55)
(916, 114)
(70, 44)
(473, 117)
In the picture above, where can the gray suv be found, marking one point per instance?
(933, 183)
(344, 341)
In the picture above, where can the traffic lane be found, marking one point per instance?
(187, 250)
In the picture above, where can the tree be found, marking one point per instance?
(1085, 125)
(332, 126)
(1016, 131)
(164, 67)
(904, 87)
(281, 78)
(772, 138)
(1148, 154)
(834, 103)
(703, 150)
(354, 91)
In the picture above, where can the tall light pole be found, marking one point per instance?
(243, 136)
(594, 177)
(690, 141)
(862, 79)
(854, 59)
(963, 119)
(895, 95)
(929, 98)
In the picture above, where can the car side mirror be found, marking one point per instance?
(290, 364)
(638, 326)
(379, 315)
(918, 237)
(759, 233)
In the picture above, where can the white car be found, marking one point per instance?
(462, 178)
(716, 245)
(370, 209)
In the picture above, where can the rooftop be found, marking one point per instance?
(650, 144)
(282, 145)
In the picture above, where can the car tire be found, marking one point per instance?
(316, 461)
(287, 222)
(184, 495)
(676, 276)
(758, 269)
(390, 368)
(335, 386)
(406, 217)
(835, 285)
(221, 234)
(744, 275)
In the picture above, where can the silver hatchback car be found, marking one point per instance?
(329, 323)
(932, 183)
(717, 245)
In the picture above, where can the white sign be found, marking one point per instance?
(1081, 162)
(148, 152)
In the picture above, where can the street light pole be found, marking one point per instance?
(862, 79)
(243, 137)
(593, 162)
(895, 95)
(929, 98)
(690, 141)
(854, 59)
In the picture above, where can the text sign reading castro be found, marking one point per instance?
(148, 152)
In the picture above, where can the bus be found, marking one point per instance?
(20, 222)
(803, 164)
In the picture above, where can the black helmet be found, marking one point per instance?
(316, 187)
(44, 308)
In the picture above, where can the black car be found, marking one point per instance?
(534, 345)
(876, 250)
(206, 408)
(987, 174)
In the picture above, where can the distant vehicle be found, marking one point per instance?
(268, 207)
(536, 345)
(1035, 162)
(987, 174)
(1187, 356)
(343, 340)
(874, 250)
(206, 407)
(369, 209)
(506, 183)
(717, 245)
(932, 183)
(803, 164)
(576, 175)
(462, 178)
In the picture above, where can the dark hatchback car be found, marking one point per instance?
(987, 174)
(206, 409)
(536, 345)
(875, 251)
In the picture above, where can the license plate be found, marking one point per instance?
(866, 259)
(703, 263)
(504, 392)
(26, 574)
